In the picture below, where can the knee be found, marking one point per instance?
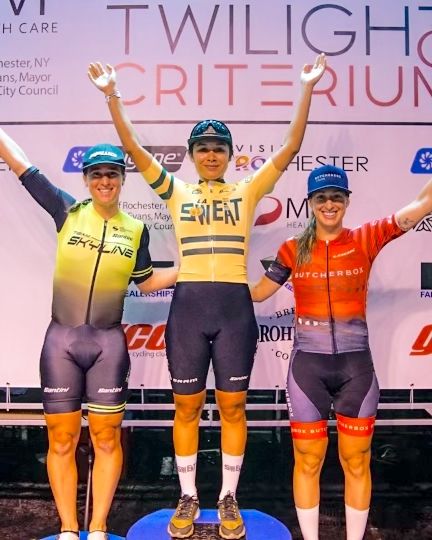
(107, 440)
(62, 443)
(309, 464)
(188, 411)
(357, 465)
(232, 413)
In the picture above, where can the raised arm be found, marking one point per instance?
(159, 280)
(12, 154)
(310, 75)
(408, 216)
(105, 80)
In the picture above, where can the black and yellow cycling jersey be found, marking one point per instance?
(96, 258)
(212, 221)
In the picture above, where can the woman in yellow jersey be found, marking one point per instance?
(211, 316)
(85, 351)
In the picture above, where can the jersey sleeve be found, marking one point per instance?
(54, 200)
(143, 266)
(263, 180)
(376, 234)
(280, 269)
(160, 180)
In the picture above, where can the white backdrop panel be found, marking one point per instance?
(179, 62)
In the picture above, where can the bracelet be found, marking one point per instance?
(116, 94)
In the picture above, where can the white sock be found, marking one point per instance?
(308, 519)
(186, 467)
(231, 468)
(356, 521)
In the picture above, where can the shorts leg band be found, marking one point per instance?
(309, 430)
(357, 427)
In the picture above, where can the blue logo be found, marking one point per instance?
(422, 163)
(170, 157)
(73, 162)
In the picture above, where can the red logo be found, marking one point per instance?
(423, 344)
(148, 336)
(270, 217)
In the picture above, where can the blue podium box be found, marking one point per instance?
(83, 536)
(259, 526)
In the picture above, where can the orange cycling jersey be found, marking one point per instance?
(330, 290)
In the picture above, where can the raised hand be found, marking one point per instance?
(102, 78)
(311, 74)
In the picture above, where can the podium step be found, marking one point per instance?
(259, 526)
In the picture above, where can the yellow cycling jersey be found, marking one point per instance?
(212, 221)
(96, 258)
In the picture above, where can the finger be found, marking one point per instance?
(109, 67)
(92, 71)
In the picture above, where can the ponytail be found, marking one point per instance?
(306, 242)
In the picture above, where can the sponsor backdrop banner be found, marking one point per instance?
(179, 62)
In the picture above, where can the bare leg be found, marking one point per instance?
(105, 432)
(63, 435)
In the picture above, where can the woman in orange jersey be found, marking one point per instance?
(331, 362)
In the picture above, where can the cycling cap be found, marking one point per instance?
(103, 153)
(327, 176)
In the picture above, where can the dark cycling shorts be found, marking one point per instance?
(316, 381)
(211, 321)
(84, 361)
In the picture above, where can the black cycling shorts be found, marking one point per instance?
(211, 321)
(84, 362)
(317, 381)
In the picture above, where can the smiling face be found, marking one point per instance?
(211, 158)
(104, 183)
(329, 207)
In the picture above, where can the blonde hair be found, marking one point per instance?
(305, 242)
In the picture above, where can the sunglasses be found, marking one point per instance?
(218, 126)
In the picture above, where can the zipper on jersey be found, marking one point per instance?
(332, 322)
(212, 241)
(99, 255)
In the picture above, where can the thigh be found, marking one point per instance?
(107, 378)
(234, 345)
(62, 380)
(359, 395)
(187, 341)
(307, 394)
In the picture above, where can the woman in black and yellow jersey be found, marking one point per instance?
(100, 250)
(211, 316)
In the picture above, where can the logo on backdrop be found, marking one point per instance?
(422, 163)
(422, 346)
(146, 340)
(426, 280)
(272, 215)
(170, 157)
(297, 213)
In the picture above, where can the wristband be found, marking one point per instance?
(116, 94)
